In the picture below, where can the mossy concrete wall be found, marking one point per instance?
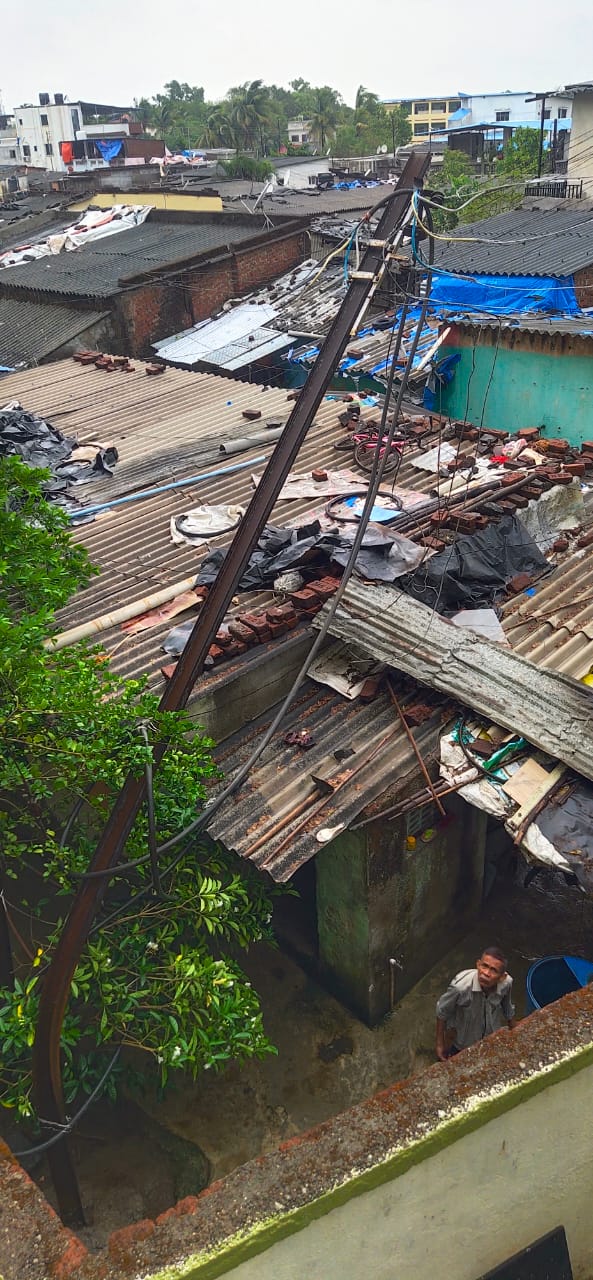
(384, 899)
(514, 379)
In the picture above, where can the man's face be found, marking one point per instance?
(490, 971)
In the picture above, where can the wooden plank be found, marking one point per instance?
(549, 709)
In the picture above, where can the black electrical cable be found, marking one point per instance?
(67, 1128)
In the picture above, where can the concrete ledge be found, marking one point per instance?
(34, 1244)
(279, 1194)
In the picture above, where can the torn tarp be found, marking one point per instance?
(39, 444)
(473, 571)
(383, 556)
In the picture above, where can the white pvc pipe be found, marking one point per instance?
(123, 614)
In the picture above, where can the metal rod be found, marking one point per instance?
(416, 749)
(47, 1074)
(166, 488)
(414, 802)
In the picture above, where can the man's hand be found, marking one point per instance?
(441, 1053)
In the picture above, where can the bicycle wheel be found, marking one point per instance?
(365, 453)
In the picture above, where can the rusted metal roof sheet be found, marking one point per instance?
(554, 627)
(166, 428)
(281, 818)
(548, 708)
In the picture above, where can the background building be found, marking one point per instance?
(67, 137)
(426, 114)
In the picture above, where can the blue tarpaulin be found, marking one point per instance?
(109, 150)
(504, 295)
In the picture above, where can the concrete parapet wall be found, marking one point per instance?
(447, 1173)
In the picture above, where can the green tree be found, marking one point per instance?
(218, 129)
(249, 108)
(324, 116)
(520, 155)
(160, 971)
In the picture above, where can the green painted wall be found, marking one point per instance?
(510, 389)
(343, 918)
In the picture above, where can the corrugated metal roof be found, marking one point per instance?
(305, 203)
(571, 326)
(554, 627)
(550, 710)
(547, 242)
(97, 269)
(251, 329)
(280, 818)
(30, 331)
(166, 428)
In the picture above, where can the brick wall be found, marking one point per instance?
(583, 287)
(158, 308)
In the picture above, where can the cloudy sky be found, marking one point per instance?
(115, 51)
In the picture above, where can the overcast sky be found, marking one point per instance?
(116, 51)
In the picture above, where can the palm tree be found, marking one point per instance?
(219, 129)
(249, 111)
(324, 117)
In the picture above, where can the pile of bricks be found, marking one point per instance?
(109, 364)
(247, 630)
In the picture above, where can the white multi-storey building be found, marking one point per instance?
(71, 137)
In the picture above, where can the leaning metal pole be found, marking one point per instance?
(47, 1075)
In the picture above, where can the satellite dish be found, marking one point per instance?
(378, 151)
(384, 149)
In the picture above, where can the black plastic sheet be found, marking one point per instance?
(383, 556)
(473, 571)
(24, 435)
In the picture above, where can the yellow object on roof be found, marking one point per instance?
(175, 201)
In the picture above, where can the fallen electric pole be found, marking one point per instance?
(47, 1076)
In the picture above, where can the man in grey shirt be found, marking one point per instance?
(477, 1002)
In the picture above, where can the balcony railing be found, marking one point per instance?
(557, 188)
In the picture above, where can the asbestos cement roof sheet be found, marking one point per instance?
(562, 326)
(554, 627)
(98, 269)
(31, 331)
(530, 242)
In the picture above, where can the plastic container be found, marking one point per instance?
(555, 976)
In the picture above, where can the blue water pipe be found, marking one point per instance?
(166, 488)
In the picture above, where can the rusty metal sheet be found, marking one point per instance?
(548, 708)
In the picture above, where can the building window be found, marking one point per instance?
(439, 107)
(295, 137)
(12, 155)
(546, 115)
(420, 108)
(75, 121)
(454, 104)
(420, 130)
(503, 115)
(20, 121)
(26, 151)
(48, 149)
(562, 113)
(44, 119)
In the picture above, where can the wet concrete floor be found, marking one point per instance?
(327, 1060)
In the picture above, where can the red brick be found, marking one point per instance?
(168, 670)
(561, 544)
(121, 1243)
(370, 689)
(520, 582)
(586, 539)
(323, 590)
(318, 475)
(216, 653)
(71, 1259)
(434, 544)
(587, 446)
(238, 631)
(258, 624)
(234, 649)
(515, 478)
(251, 415)
(528, 433)
(563, 477)
(557, 445)
(575, 468)
(281, 613)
